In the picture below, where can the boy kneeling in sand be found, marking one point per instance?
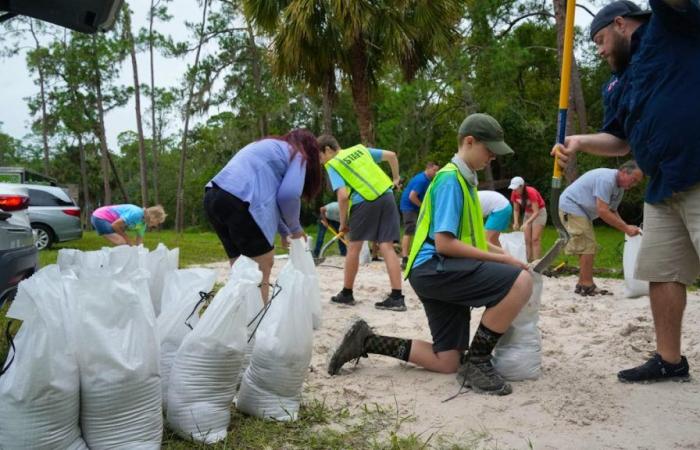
(452, 268)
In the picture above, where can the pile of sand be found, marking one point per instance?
(576, 403)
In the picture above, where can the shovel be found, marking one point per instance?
(320, 259)
(563, 237)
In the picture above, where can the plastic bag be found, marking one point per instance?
(302, 260)
(514, 244)
(518, 354)
(633, 287)
(40, 392)
(271, 386)
(159, 263)
(117, 352)
(202, 379)
(365, 254)
(181, 303)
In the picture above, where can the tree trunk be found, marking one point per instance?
(257, 78)
(84, 182)
(571, 172)
(154, 139)
(180, 202)
(42, 87)
(328, 102)
(360, 86)
(117, 179)
(137, 100)
(100, 131)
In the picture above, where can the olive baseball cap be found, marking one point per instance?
(487, 130)
(621, 8)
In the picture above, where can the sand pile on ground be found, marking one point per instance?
(576, 403)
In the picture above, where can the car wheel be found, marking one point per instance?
(44, 236)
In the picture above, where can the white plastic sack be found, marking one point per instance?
(159, 263)
(40, 392)
(302, 260)
(633, 287)
(203, 376)
(365, 254)
(514, 244)
(518, 354)
(271, 386)
(117, 349)
(181, 295)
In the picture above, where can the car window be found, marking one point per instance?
(42, 198)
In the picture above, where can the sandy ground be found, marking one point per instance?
(576, 403)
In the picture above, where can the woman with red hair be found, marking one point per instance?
(259, 193)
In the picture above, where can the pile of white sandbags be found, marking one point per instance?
(86, 358)
(518, 354)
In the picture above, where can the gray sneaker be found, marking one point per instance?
(478, 373)
(350, 347)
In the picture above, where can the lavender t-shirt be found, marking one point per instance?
(262, 174)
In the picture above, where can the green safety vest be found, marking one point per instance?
(356, 166)
(471, 224)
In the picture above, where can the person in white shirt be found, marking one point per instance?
(496, 210)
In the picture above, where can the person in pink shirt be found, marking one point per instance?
(113, 221)
(528, 204)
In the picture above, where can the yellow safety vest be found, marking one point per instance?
(356, 166)
(471, 224)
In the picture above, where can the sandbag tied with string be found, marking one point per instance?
(203, 375)
(184, 294)
(272, 384)
(117, 349)
(40, 388)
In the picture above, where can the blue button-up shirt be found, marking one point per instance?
(655, 103)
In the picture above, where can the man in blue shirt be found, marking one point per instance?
(651, 109)
(411, 199)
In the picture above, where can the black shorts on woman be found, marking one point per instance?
(233, 223)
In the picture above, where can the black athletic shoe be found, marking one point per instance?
(392, 304)
(656, 369)
(350, 347)
(479, 374)
(343, 299)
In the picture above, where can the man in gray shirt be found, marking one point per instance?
(596, 193)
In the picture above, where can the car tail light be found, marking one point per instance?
(72, 212)
(13, 202)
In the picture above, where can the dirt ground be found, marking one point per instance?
(576, 403)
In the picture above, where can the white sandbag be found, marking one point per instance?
(300, 257)
(40, 391)
(365, 254)
(117, 348)
(203, 376)
(271, 386)
(518, 354)
(633, 287)
(160, 262)
(514, 244)
(181, 302)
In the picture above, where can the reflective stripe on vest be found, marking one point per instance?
(356, 166)
(472, 234)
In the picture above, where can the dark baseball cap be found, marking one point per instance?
(487, 130)
(622, 8)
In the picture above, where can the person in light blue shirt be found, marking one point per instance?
(596, 193)
(329, 215)
(411, 199)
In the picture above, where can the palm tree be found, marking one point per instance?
(359, 38)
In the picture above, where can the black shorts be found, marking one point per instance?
(409, 222)
(448, 287)
(234, 225)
